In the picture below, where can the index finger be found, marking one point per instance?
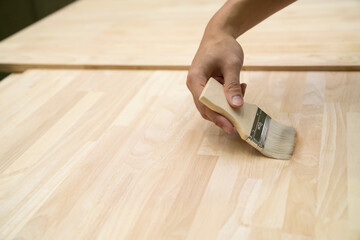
(196, 83)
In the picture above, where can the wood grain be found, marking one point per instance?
(308, 35)
(88, 154)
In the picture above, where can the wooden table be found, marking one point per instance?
(125, 155)
(141, 34)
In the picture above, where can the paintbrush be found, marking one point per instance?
(268, 136)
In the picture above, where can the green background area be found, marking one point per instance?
(18, 14)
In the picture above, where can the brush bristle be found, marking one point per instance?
(280, 141)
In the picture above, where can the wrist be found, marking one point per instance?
(230, 20)
(215, 31)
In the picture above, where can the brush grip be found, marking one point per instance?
(213, 97)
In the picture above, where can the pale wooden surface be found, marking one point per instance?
(125, 155)
(161, 34)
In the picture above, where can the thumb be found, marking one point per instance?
(233, 89)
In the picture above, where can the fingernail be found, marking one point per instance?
(236, 100)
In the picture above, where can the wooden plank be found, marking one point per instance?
(74, 166)
(308, 35)
(353, 195)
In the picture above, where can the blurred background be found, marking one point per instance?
(18, 14)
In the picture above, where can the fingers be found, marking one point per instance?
(219, 120)
(196, 83)
(221, 59)
(232, 88)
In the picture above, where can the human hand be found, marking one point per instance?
(219, 56)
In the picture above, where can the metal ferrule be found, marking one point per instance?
(260, 128)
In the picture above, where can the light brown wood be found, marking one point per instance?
(125, 155)
(308, 35)
(242, 118)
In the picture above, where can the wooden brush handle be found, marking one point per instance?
(213, 97)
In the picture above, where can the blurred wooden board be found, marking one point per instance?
(124, 155)
(308, 35)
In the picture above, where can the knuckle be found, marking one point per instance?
(233, 86)
(192, 77)
(202, 112)
(203, 115)
(217, 122)
(189, 80)
(234, 62)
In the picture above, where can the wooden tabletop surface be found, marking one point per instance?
(141, 34)
(91, 154)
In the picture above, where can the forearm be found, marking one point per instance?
(237, 16)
